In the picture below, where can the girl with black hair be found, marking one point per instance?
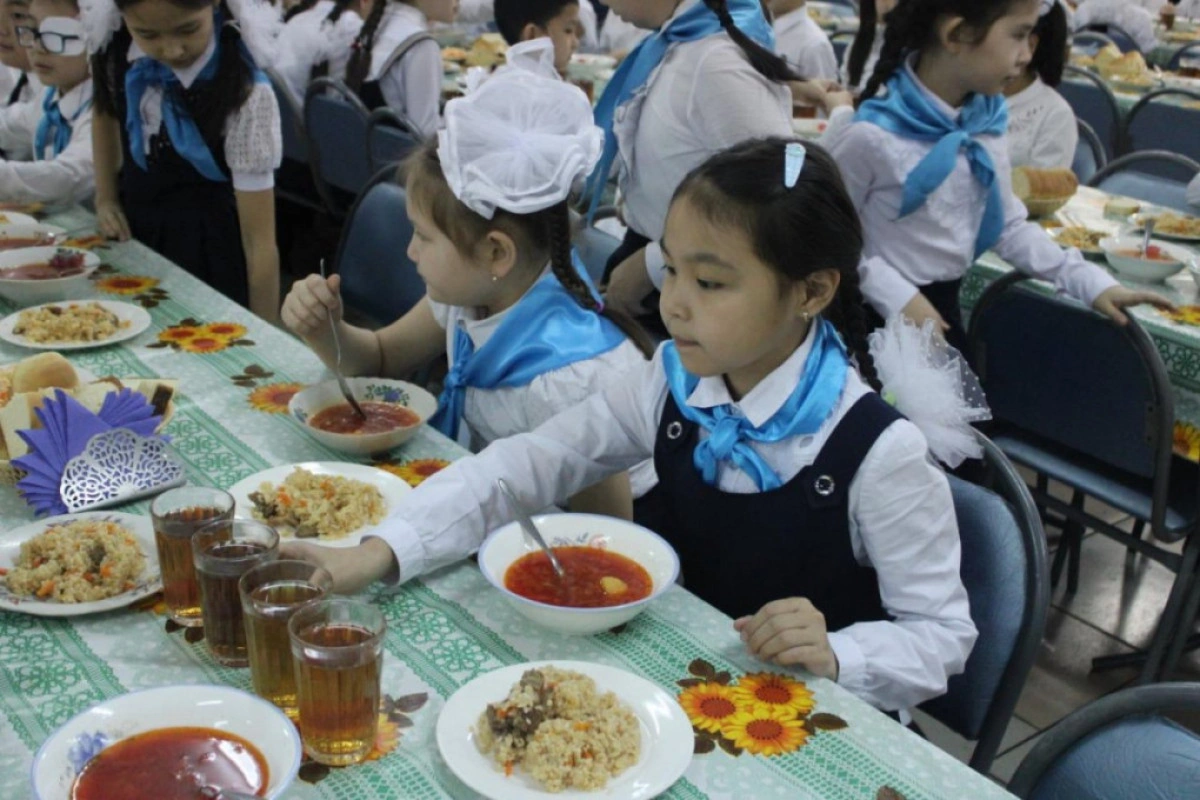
(799, 502)
(394, 62)
(706, 78)
(928, 169)
(317, 40)
(186, 139)
(1042, 131)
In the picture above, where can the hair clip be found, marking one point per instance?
(793, 163)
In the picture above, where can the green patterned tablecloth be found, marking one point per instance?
(442, 631)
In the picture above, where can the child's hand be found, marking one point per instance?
(306, 308)
(1111, 301)
(629, 285)
(790, 632)
(111, 222)
(353, 568)
(919, 309)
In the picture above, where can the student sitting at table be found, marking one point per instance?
(316, 41)
(482, 12)
(523, 20)
(55, 127)
(394, 62)
(1133, 20)
(187, 140)
(801, 42)
(859, 59)
(927, 166)
(506, 302)
(800, 503)
(17, 83)
(1042, 131)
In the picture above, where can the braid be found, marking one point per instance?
(298, 9)
(853, 326)
(766, 63)
(230, 87)
(864, 40)
(898, 38)
(558, 234)
(109, 66)
(360, 59)
(321, 69)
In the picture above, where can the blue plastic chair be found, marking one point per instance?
(1090, 156)
(1155, 176)
(390, 138)
(1189, 50)
(1004, 572)
(595, 247)
(1083, 401)
(1155, 125)
(1090, 41)
(335, 122)
(1119, 36)
(1094, 103)
(291, 120)
(841, 41)
(1119, 747)
(378, 279)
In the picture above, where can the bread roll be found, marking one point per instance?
(1031, 183)
(44, 371)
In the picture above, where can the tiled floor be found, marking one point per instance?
(1114, 611)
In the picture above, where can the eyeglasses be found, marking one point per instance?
(53, 43)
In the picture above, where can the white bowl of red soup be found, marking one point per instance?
(165, 742)
(395, 411)
(35, 275)
(1157, 263)
(614, 569)
(21, 236)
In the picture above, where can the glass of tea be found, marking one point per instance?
(224, 552)
(177, 514)
(337, 648)
(271, 594)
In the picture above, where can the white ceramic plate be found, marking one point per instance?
(143, 532)
(391, 487)
(667, 738)
(1137, 220)
(37, 231)
(13, 218)
(137, 317)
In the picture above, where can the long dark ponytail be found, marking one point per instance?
(360, 59)
(1050, 58)
(796, 231)
(766, 63)
(864, 40)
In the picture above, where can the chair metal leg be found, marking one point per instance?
(1138, 531)
(1185, 635)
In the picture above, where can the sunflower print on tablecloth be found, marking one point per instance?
(125, 284)
(413, 472)
(193, 336)
(394, 718)
(1187, 441)
(273, 398)
(1184, 315)
(761, 713)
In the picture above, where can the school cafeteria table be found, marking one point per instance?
(235, 374)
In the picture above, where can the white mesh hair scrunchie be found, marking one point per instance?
(521, 140)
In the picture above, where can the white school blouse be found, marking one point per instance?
(1189, 9)
(937, 241)
(413, 85)
(902, 519)
(1042, 131)
(69, 177)
(1134, 20)
(9, 78)
(253, 142)
(309, 38)
(802, 43)
(491, 414)
(619, 36)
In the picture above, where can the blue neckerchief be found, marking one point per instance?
(907, 112)
(177, 120)
(54, 121)
(547, 329)
(729, 434)
(697, 22)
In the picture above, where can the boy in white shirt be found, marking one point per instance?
(59, 124)
(800, 40)
(558, 20)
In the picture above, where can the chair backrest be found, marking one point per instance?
(390, 138)
(291, 119)
(1094, 103)
(1090, 40)
(841, 41)
(378, 279)
(1052, 368)
(1119, 747)
(1191, 50)
(1155, 124)
(1156, 176)
(1005, 575)
(1090, 156)
(1118, 35)
(336, 123)
(595, 247)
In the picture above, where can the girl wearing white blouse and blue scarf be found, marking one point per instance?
(800, 503)
(927, 165)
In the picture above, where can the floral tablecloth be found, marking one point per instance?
(760, 735)
(1177, 336)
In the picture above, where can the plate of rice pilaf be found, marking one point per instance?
(566, 729)
(74, 326)
(78, 564)
(325, 502)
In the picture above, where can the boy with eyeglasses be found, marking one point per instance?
(58, 123)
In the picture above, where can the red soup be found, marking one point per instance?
(594, 578)
(1153, 253)
(14, 242)
(381, 417)
(171, 764)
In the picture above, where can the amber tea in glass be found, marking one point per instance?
(337, 647)
(271, 594)
(223, 552)
(176, 515)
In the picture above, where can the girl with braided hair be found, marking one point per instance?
(928, 168)
(317, 40)
(799, 502)
(514, 312)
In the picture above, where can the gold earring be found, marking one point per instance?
(804, 315)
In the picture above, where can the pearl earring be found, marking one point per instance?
(495, 278)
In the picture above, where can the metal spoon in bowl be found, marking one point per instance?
(337, 367)
(529, 528)
(1149, 225)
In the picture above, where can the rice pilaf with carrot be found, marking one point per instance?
(81, 561)
(326, 506)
